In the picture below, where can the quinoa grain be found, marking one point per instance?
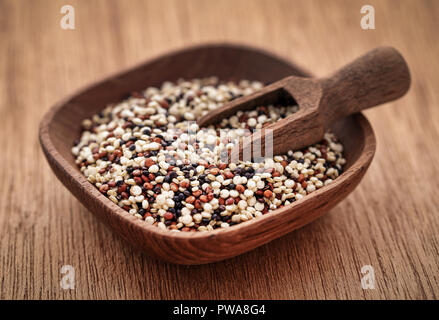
(148, 156)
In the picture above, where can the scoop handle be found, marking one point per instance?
(379, 76)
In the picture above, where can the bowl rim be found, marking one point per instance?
(363, 160)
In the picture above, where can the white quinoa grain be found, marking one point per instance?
(187, 219)
(136, 190)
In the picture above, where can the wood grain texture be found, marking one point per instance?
(377, 77)
(390, 221)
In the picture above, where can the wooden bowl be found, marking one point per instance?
(61, 126)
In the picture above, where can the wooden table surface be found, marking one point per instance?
(390, 221)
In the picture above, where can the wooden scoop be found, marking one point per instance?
(377, 77)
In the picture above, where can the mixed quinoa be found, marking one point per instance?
(148, 156)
